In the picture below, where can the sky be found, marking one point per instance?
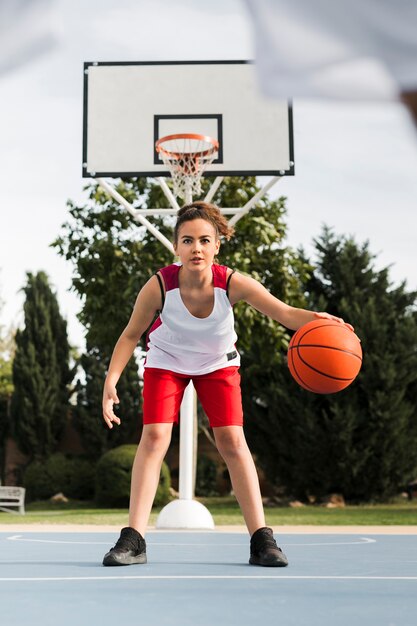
(355, 162)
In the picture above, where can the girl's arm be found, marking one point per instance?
(147, 304)
(247, 289)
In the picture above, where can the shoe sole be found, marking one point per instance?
(264, 563)
(112, 560)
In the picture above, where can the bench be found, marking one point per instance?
(12, 497)
(411, 489)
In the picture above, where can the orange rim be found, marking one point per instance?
(177, 155)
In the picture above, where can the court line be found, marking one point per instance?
(204, 577)
(363, 541)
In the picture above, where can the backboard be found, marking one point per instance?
(129, 106)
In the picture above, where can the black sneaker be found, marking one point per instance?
(264, 550)
(129, 549)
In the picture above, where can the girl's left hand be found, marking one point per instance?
(327, 316)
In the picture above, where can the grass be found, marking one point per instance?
(225, 511)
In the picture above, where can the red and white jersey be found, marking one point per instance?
(180, 342)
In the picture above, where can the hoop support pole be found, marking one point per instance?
(187, 436)
(137, 216)
(161, 212)
(217, 182)
(168, 193)
(251, 203)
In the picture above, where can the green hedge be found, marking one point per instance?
(74, 477)
(113, 474)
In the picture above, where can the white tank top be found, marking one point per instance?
(180, 342)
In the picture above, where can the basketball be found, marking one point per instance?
(324, 356)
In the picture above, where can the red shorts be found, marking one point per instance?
(219, 393)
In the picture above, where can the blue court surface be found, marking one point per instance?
(203, 578)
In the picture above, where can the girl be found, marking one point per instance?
(193, 338)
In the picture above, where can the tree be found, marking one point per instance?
(310, 444)
(361, 442)
(113, 257)
(41, 372)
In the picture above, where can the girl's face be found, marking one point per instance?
(197, 244)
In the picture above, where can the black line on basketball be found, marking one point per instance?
(299, 377)
(322, 373)
(320, 345)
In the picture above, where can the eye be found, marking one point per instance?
(186, 240)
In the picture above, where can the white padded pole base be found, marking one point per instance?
(185, 514)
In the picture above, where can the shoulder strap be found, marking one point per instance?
(228, 282)
(162, 290)
(170, 276)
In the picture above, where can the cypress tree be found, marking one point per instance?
(361, 442)
(377, 416)
(41, 372)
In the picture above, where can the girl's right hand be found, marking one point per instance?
(109, 400)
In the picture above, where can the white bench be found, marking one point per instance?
(12, 497)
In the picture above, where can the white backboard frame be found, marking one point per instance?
(129, 105)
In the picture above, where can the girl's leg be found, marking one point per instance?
(146, 470)
(231, 444)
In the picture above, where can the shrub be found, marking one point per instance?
(43, 479)
(206, 483)
(81, 485)
(113, 474)
(74, 477)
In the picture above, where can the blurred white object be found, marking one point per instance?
(28, 28)
(356, 49)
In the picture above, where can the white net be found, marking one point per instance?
(187, 157)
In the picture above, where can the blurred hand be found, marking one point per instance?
(110, 398)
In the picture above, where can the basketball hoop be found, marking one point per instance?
(187, 156)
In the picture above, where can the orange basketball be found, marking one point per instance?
(324, 356)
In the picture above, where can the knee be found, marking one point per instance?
(230, 444)
(156, 438)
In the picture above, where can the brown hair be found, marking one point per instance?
(204, 211)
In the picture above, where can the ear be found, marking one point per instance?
(217, 246)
